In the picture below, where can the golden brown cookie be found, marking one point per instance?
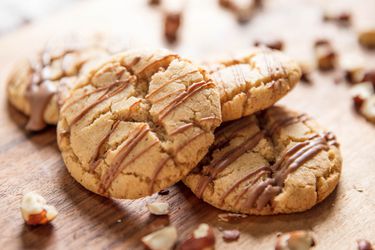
(253, 81)
(138, 123)
(277, 161)
(38, 86)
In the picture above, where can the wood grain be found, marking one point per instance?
(87, 221)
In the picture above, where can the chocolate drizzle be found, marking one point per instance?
(192, 90)
(112, 90)
(266, 182)
(118, 164)
(95, 158)
(220, 164)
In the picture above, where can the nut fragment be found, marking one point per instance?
(353, 68)
(154, 2)
(360, 92)
(202, 238)
(35, 210)
(306, 70)
(276, 44)
(370, 77)
(368, 109)
(364, 245)
(243, 10)
(325, 55)
(231, 235)
(158, 208)
(162, 239)
(343, 18)
(367, 38)
(164, 192)
(172, 22)
(296, 240)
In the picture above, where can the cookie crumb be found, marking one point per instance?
(231, 235)
(326, 57)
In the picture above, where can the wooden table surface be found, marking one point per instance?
(88, 221)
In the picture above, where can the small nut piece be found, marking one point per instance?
(35, 210)
(231, 235)
(172, 22)
(202, 238)
(158, 208)
(275, 44)
(342, 19)
(360, 93)
(326, 56)
(368, 109)
(367, 38)
(296, 240)
(353, 68)
(364, 245)
(163, 239)
(306, 69)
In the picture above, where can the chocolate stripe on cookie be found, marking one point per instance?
(122, 85)
(220, 164)
(94, 161)
(287, 121)
(117, 164)
(263, 192)
(158, 89)
(191, 91)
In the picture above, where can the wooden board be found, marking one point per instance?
(87, 221)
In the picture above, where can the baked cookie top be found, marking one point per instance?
(253, 80)
(138, 123)
(39, 85)
(277, 161)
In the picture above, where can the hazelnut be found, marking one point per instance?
(353, 68)
(276, 44)
(35, 210)
(370, 77)
(306, 70)
(162, 239)
(231, 235)
(364, 245)
(172, 22)
(154, 2)
(367, 38)
(202, 238)
(296, 240)
(368, 109)
(343, 18)
(325, 55)
(360, 93)
(158, 208)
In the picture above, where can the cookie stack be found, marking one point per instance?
(142, 120)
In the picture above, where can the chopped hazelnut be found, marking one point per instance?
(202, 238)
(231, 235)
(172, 22)
(367, 38)
(368, 109)
(158, 208)
(276, 44)
(154, 2)
(35, 210)
(325, 55)
(296, 240)
(306, 70)
(163, 239)
(370, 77)
(343, 18)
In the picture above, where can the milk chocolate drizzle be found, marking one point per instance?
(179, 99)
(118, 164)
(40, 91)
(111, 91)
(267, 182)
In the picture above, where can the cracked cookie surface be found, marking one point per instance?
(253, 81)
(37, 87)
(276, 161)
(138, 123)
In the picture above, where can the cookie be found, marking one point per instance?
(253, 81)
(38, 86)
(138, 123)
(276, 161)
